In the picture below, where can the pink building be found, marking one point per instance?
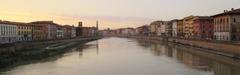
(203, 27)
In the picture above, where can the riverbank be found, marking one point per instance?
(227, 49)
(196, 51)
(22, 52)
(124, 54)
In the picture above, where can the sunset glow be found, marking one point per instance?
(110, 13)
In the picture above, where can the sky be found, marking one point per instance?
(110, 13)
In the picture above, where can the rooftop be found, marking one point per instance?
(13, 23)
(232, 12)
(203, 17)
(156, 22)
(44, 22)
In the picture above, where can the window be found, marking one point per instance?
(220, 21)
(234, 19)
(227, 21)
(223, 21)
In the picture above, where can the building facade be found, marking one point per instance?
(25, 32)
(8, 32)
(73, 32)
(174, 28)
(143, 30)
(60, 32)
(203, 28)
(118, 31)
(163, 29)
(107, 32)
(227, 25)
(180, 32)
(154, 28)
(89, 31)
(79, 29)
(188, 27)
(39, 34)
(128, 31)
(50, 27)
(168, 28)
(69, 32)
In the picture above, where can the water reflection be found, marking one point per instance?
(120, 56)
(214, 65)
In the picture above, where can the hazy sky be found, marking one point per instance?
(110, 13)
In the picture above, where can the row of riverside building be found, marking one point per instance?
(223, 26)
(12, 32)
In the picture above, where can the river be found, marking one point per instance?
(122, 56)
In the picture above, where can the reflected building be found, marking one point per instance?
(225, 69)
(155, 48)
(174, 52)
(169, 52)
(195, 61)
(144, 43)
(202, 63)
(159, 51)
(214, 65)
(221, 69)
(179, 55)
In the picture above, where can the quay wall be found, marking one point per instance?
(36, 45)
(21, 53)
(233, 49)
(223, 48)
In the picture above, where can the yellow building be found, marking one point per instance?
(24, 32)
(180, 32)
(188, 27)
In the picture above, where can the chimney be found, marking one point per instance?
(232, 9)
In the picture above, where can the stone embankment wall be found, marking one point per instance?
(233, 49)
(223, 48)
(36, 45)
(23, 52)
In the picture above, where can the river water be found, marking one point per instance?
(121, 56)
